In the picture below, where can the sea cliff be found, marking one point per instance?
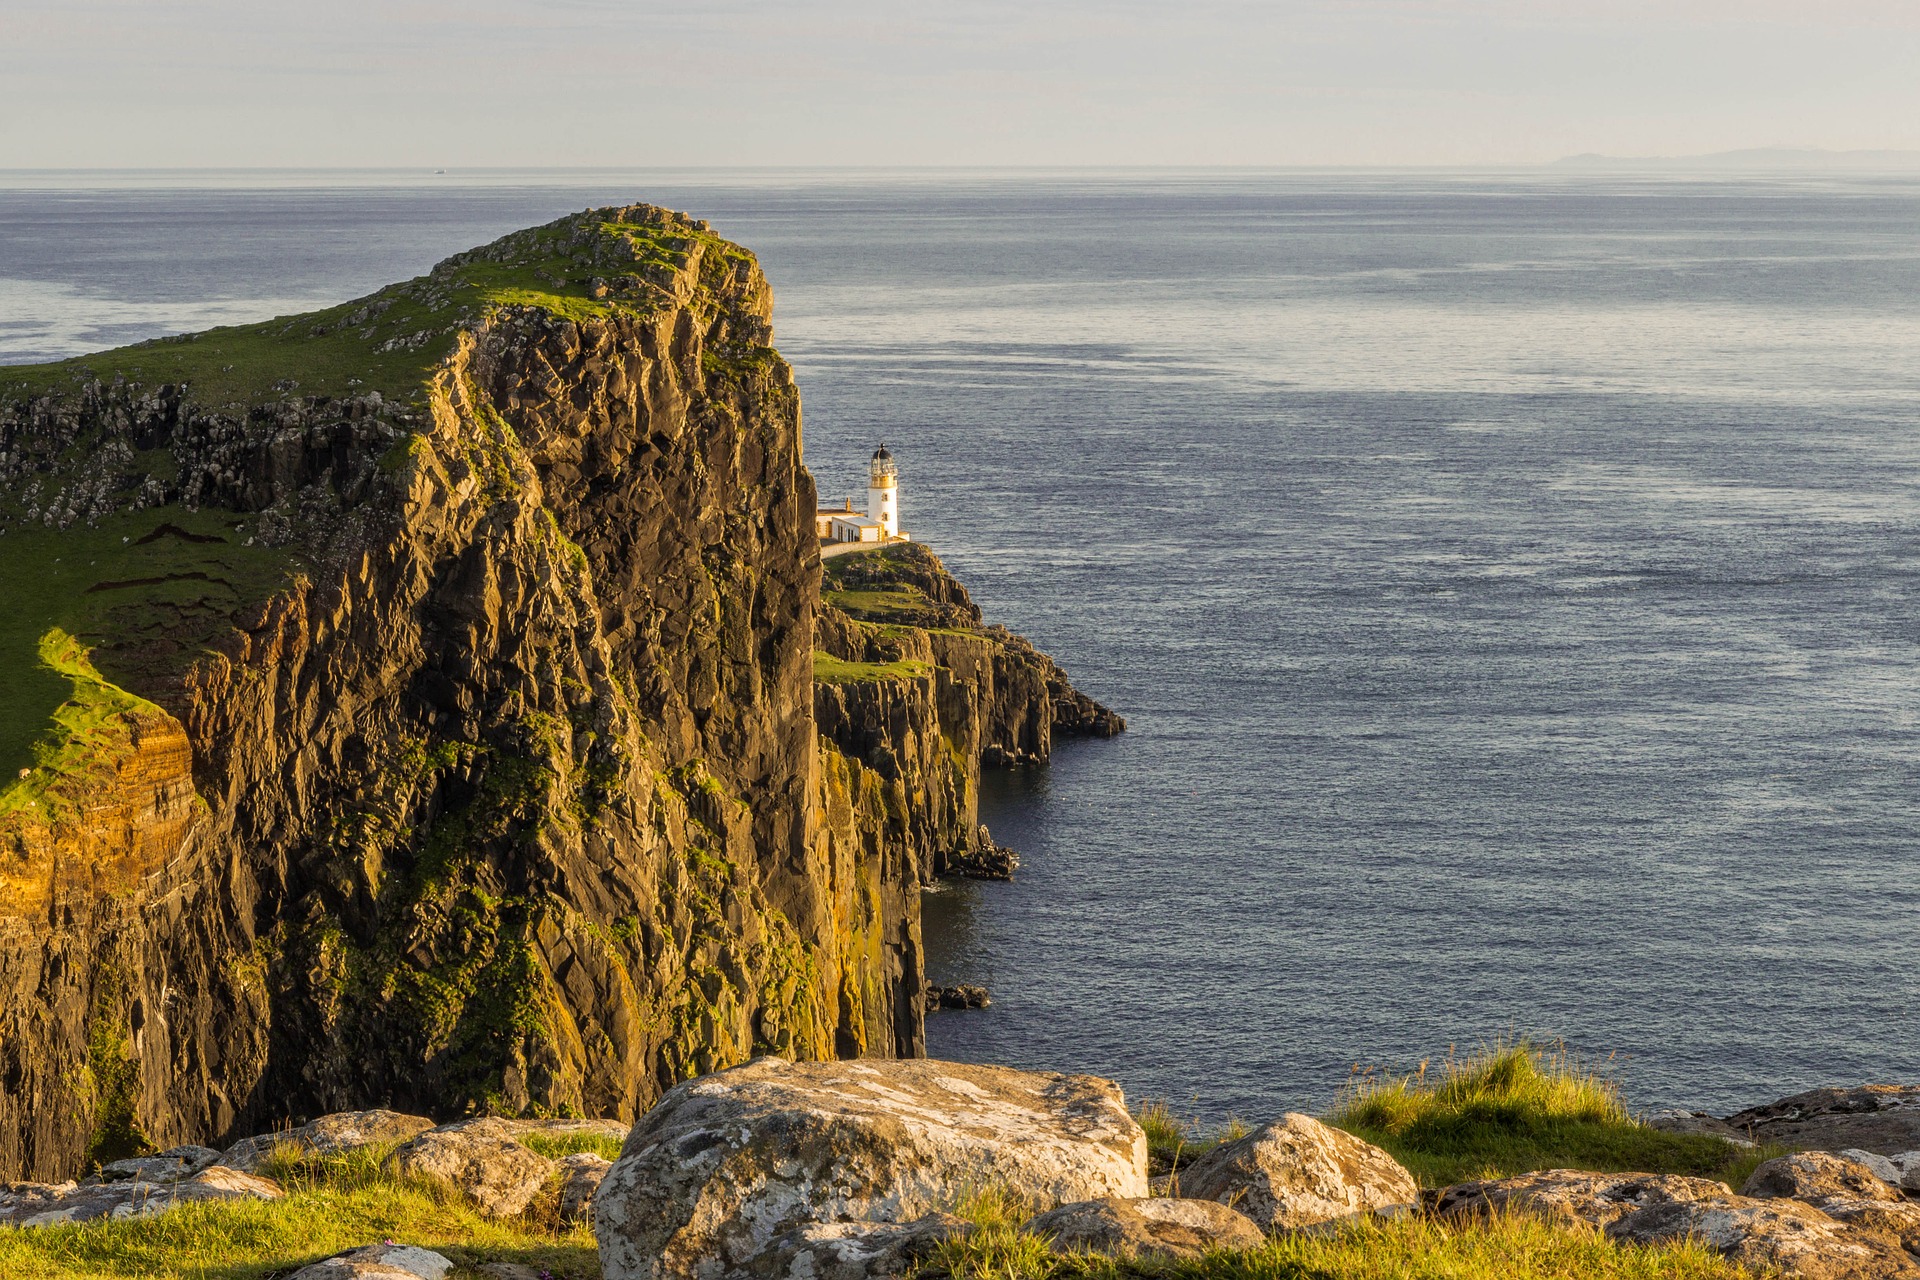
(429, 702)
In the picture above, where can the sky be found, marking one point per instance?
(629, 83)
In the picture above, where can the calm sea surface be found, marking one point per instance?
(1510, 579)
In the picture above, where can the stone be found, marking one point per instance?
(329, 1135)
(1781, 1234)
(379, 1262)
(853, 1250)
(580, 1178)
(1574, 1196)
(725, 1165)
(1785, 1235)
(511, 1271)
(31, 1205)
(1297, 1172)
(1816, 1177)
(962, 996)
(498, 1175)
(1124, 1228)
(1699, 1123)
(168, 1166)
(1881, 1118)
(1882, 1167)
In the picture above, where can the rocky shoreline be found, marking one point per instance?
(859, 1170)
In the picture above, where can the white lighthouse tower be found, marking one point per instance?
(883, 493)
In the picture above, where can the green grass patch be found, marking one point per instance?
(886, 605)
(160, 583)
(556, 1145)
(828, 669)
(1514, 1107)
(333, 1203)
(1408, 1249)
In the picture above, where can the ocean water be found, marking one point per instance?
(1509, 578)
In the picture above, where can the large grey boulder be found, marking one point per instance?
(329, 1135)
(498, 1175)
(1845, 1189)
(1160, 1225)
(36, 1205)
(379, 1262)
(1297, 1172)
(725, 1166)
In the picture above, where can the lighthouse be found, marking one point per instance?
(883, 493)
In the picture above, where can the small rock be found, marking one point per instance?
(1697, 1122)
(497, 1174)
(1574, 1196)
(1124, 1228)
(169, 1166)
(853, 1250)
(962, 996)
(329, 1135)
(580, 1177)
(510, 1271)
(1817, 1176)
(379, 1262)
(724, 1166)
(29, 1205)
(985, 861)
(1297, 1172)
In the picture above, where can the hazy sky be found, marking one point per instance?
(846, 82)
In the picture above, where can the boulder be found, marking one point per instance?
(379, 1262)
(580, 1177)
(724, 1166)
(1124, 1228)
(1572, 1196)
(520, 1130)
(498, 1175)
(1297, 1172)
(1901, 1169)
(1780, 1234)
(1698, 1123)
(33, 1205)
(1816, 1177)
(853, 1250)
(1787, 1236)
(169, 1166)
(329, 1135)
(1880, 1118)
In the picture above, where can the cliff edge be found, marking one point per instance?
(414, 703)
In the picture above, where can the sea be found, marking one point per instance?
(1511, 579)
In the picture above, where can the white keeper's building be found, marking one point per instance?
(881, 520)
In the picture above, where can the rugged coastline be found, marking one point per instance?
(430, 703)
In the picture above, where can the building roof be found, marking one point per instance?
(881, 453)
(843, 517)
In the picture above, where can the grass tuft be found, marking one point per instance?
(1511, 1107)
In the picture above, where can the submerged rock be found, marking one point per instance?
(1297, 1172)
(1123, 1228)
(961, 996)
(729, 1164)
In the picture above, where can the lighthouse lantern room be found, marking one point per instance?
(883, 493)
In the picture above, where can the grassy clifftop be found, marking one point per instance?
(390, 341)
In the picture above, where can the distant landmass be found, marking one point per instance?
(1768, 158)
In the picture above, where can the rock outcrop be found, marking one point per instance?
(716, 1180)
(451, 738)
(497, 1175)
(1812, 1215)
(42, 1205)
(1298, 1172)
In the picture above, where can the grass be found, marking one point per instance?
(890, 604)
(163, 583)
(1505, 1248)
(334, 1203)
(556, 1145)
(1517, 1106)
(828, 669)
(1173, 1143)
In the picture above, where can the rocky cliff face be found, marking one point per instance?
(448, 740)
